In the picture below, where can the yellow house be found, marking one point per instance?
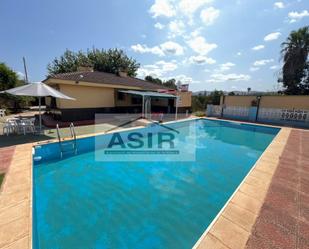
(99, 92)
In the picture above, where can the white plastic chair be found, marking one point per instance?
(26, 126)
(10, 126)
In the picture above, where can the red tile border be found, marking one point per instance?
(6, 155)
(283, 221)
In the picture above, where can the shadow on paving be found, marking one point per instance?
(14, 139)
(11, 140)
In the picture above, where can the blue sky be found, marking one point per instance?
(211, 44)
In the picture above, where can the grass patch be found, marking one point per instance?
(199, 114)
(1, 178)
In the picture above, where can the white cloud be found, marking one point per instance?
(201, 60)
(184, 79)
(253, 69)
(176, 27)
(279, 5)
(274, 67)
(193, 34)
(188, 7)
(220, 77)
(272, 36)
(167, 66)
(172, 48)
(262, 62)
(161, 50)
(258, 47)
(295, 16)
(20, 75)
(226, 66)
(239, 54)
(158, 69)
(209, 15)
(159, 25)
(139, 48)
(179, 8)
(162, 8)
(200, 46)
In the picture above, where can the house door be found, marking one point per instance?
(170, 105)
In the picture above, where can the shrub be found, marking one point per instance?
(199, 114)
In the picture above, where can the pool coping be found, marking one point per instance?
(13, 233)
(228, 220)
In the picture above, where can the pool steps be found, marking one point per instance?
(71, 142)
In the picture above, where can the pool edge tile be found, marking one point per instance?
(17, 228)
(245, 199)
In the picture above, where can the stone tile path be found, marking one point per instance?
(6, 155)
(283, 222)
(15, 200)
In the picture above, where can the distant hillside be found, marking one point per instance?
(207, 93)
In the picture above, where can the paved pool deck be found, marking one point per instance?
(270, 208)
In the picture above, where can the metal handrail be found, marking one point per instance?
(72, 130)
(59, 139)
(73, 135)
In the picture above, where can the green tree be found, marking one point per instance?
(109, 61)
(295, 70)
(215, 97)
(200, 101)
(154, 80)
(231, 94)
(171, 83)
(8, 78)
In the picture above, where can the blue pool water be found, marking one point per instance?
(81, 203)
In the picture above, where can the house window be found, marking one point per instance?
(136, 100)
(120, 96)
(53, 103)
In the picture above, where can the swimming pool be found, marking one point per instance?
(81, 202)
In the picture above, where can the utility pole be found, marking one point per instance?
(25, 68)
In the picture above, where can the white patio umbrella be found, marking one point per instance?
(39, 90)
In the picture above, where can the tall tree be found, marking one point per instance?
(171, 83)
(154, 80)
(295, 70)
(8, 78)
(109, 61)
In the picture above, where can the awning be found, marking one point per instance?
(149, 94)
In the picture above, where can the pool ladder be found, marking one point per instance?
(62, 142)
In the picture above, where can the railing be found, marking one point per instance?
(298, 117)
(73, 142)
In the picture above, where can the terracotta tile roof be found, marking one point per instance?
(106, 78)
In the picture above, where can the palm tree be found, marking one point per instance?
(295, 70)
